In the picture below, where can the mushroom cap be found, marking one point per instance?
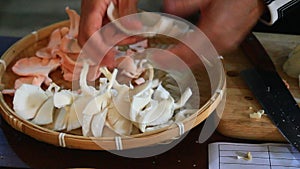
(63, 98)
(98, 123)
(45, 113)
(27, 100)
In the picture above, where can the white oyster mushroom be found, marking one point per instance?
(121, 100)
(143, 118)
(86, 125)
(98, 123)
(155, 83)
(85, 88)
(161, 114)
(63, 98)
(53, 88)
(103, 85)
(27, 100)
(166, 107)
(97, 105)
(118, 123)
(139, 104)
(80, 104)
(161, 93)
(183, 99)
(141, 95)
(121, 96)
(75, 115)
(162, 110)
(140, 101)
(45, 113)
(60, 119)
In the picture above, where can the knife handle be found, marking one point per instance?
(257, 53)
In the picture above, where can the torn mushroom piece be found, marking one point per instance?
(63, 98)
(118, 123)
(96, 108)
(84, 87)
(35, 66)
(159, 109)
(34, 80)
(60, 119)
(74, 114)
(98, 123)
(48, 52)
(27, 100)
(129, 68)
(257, 115)
(164, 110)
(69, 43)
(120, 94)
(45, 113)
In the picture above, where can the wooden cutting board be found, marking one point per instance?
(235, 121)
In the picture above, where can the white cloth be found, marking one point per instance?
(277, 8)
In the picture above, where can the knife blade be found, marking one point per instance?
(270, 91)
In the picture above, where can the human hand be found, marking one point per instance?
(225, 22)
(93, 17)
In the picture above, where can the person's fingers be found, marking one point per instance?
(226, 29)
(183, 7)
(92, 14)
(112, 36)
(178, 57)
(127, 7)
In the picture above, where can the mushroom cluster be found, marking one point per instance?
(129, 100)
(111, 107)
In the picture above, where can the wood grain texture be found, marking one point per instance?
(235, 121)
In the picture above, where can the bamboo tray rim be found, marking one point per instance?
(88, 143)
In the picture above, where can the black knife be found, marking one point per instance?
(271, 92)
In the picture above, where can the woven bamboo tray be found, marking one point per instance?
(27, 46)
